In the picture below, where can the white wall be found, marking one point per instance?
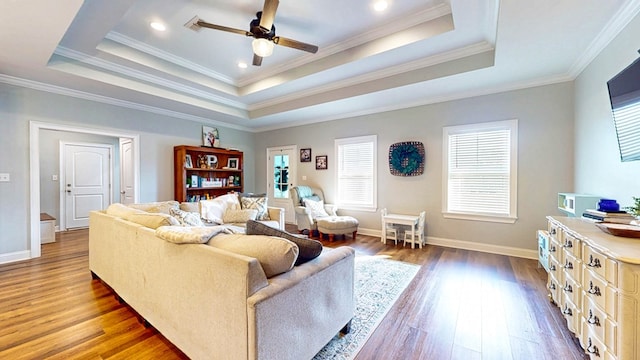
(158, 135)
(598, 167)
(545, 117)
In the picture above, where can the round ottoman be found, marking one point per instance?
(337, 225)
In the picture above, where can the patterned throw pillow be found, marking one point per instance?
(316, 208)
(256, 202)
(233, 216)
(186, 218)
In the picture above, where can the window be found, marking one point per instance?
(480, 171)
(355, 173)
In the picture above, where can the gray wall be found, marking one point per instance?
(598, 169)
(545, 159)
(158, 135)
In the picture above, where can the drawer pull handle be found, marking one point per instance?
(567, 288)
(595, 290)
(552, 267)
(552, 249)
(593, 320)
(553, 231)
(594, 262)
(568, 244)
(567, 311)
(568, 266)
(592, 349)
(552, 286)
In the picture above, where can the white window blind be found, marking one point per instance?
(627, 119)
(355, 174)
(480, 170)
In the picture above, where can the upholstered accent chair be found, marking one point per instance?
(306, 215)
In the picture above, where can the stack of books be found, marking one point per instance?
(620, 217)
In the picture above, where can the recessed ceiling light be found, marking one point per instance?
(158, 26)
(380, 5)
(242, 64)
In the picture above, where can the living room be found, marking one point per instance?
(567, 143)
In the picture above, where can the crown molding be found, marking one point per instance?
(54, 89)
(620, 20)
(179, 61)
(143, 76)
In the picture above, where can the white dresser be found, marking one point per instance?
(594, 278)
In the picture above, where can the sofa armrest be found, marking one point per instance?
(277, 214)
(331, 209)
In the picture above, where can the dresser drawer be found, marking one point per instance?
(600, 264)
(599, 324)
(572, 267)
(593, 346)
(597, 290)
(554, 289)
(572, 316)
(555, 232)
(556, 269)
(572, 245)
(572, 290)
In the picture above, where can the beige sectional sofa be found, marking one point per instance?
(216, 304)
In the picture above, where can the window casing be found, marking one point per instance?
(356, 169)
(480, 169)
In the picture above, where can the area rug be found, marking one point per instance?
(379, 281)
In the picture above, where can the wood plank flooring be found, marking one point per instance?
(461, 305)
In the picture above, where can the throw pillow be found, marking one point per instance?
(186, 218)
(308, 249)
(316, 208)
(190, 206)
(233, 216)
(257, 202)
(275, 255)
(303, 192)
(213, 210)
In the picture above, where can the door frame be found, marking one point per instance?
(293, 173)
(34, 171)
(63, 179)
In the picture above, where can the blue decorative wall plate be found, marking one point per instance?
(406, 158)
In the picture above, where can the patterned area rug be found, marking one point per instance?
(378, 284)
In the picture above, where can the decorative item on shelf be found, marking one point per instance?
(406, 158)
(188, 162)
(232, 163)
(305, 155)
(210, 136)
(202, 161)
(231, 180)
(195, 181)
(321, 162)
(212, 161)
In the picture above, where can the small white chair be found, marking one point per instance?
(391, 232)
(419, 236)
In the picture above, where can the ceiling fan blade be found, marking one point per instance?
(268, 13)
(257, 60)
(203, 23)
(295, 44)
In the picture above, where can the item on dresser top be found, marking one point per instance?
(608, 205)
(624, 230)
(620, 217)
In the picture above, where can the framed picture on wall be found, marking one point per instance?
(321, 162)
(232, 163)
(210, 137)
(305, 155)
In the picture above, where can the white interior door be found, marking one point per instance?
(87, 181)
(281, 176)
(127, 177)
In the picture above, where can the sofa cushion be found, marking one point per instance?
(189, 235)
(213, 210)
(156, 207)
(190, 206)
(304, 192)
(257, 202)
(233, 216)
(152, 220)
(308, 249)
(121, 210)
(276, 255)
(316, 208)
(186, 218)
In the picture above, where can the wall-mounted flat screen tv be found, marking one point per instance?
(624, 94)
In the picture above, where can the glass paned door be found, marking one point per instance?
(281, 176)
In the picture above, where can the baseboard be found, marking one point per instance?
(15, 256)
(466, 245)
(488, 248)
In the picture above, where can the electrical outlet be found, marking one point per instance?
(304, 177)
(5, 177)
(54, 177)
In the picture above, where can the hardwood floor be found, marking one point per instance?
(461, 305)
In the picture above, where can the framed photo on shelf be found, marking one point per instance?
(232, 163)
(210, 136)
(188, 162)
(321, 162)
(305, 155)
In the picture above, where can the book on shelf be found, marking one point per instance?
(610, 219)
(619, 213)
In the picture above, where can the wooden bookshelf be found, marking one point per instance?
(202, 177)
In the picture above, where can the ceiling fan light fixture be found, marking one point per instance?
(262, 47)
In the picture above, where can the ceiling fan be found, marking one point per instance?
(262, 30)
